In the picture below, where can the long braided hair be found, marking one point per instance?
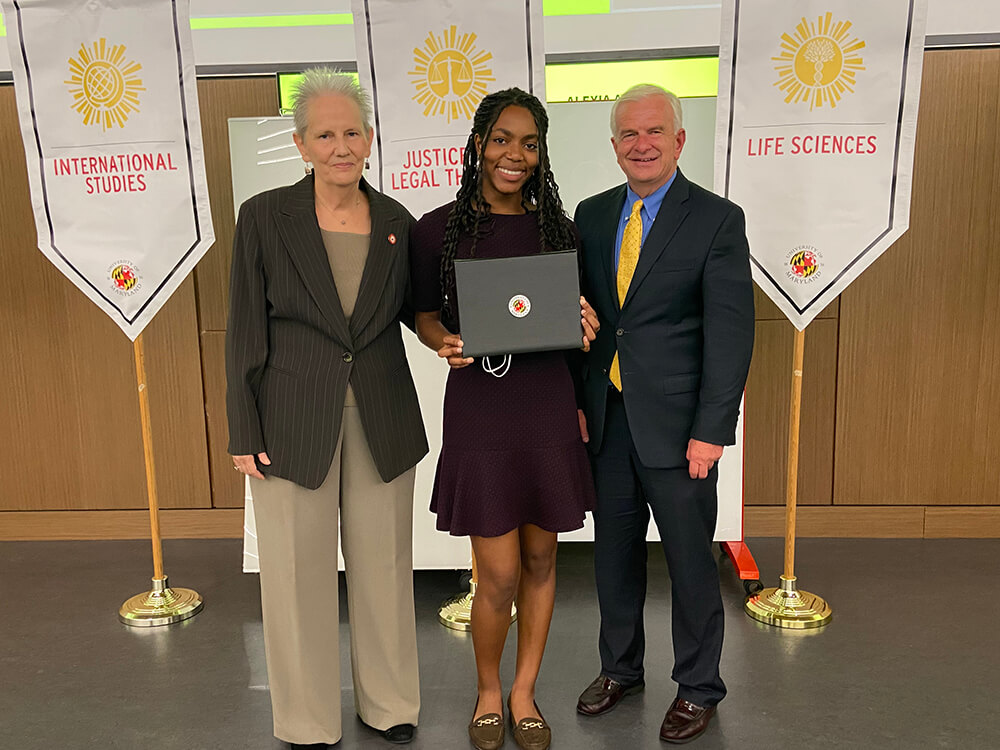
(540, 193)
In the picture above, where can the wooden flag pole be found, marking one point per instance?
(792, 478)
(456, 613)
(162, 605)
(786, 606)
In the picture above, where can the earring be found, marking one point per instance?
(309, 167)
(367, 164)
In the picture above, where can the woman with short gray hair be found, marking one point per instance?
(324, 419)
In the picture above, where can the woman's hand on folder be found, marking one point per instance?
(591, 325)
(436, 337)
(452, 351)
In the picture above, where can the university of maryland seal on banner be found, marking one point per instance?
(804, 263)
(104, 84)
(124, 277)
(450, 74)
(819, 63)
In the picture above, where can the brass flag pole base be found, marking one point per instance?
(456, 613)
(161, 606)
(787, 607)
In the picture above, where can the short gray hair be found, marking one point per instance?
(321, 81)
(644, 91)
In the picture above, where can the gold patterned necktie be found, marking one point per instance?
(628, 258)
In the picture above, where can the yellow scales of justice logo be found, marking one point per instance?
(450, 74)
(103, 85)
(819, 63)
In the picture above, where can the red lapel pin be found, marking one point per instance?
(392, 239)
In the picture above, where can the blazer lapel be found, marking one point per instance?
(381, 255)
(609, 236)
(671, 215)
(300, 232)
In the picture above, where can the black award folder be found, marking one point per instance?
(530, 303)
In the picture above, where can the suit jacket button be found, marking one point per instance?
(348, 357)
(620, 332)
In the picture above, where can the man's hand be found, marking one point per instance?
(246, 464)
(591, 325)
(701, 458)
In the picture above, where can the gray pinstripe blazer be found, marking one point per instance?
(290, 352)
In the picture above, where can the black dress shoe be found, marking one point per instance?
(685, 721)
(400, 734)
(603, 694)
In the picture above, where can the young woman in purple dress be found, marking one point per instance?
(513, 470)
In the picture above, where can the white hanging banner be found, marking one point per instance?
(112, 137)
(428, 64)
(817, 112)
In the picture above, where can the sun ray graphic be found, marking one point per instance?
(105, 88)
(450, 74)
(819, 62)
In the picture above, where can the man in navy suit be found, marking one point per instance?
(666, 266)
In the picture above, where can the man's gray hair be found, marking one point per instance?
(643, 91)
(322, 81)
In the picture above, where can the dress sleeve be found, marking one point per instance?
(425, 264)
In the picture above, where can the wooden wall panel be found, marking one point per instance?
(986, 241)
(767, 405)
(918, 393)
(227, 484)
(119, 524)
(854, 522)
(962, 523)
(220, 99)
(69, 415)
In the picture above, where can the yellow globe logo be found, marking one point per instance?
(450, 74)
(103, 85)
(819, 63)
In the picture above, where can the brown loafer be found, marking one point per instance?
(486, 731)
(603, 694)
(685, 721)
(531, 733)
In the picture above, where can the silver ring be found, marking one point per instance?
(236, 467)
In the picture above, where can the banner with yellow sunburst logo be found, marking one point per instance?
(112, 137)
(817, 113)
(427, 65)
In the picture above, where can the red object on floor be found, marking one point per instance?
(742, 560)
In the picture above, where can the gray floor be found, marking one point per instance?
(910, 661)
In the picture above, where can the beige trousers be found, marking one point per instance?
(297, 544)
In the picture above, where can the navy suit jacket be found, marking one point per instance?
(684, 334)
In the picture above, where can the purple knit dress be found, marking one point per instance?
(511, 451)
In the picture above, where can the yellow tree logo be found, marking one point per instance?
(819, 63)
(105, 88)
(450, 74)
